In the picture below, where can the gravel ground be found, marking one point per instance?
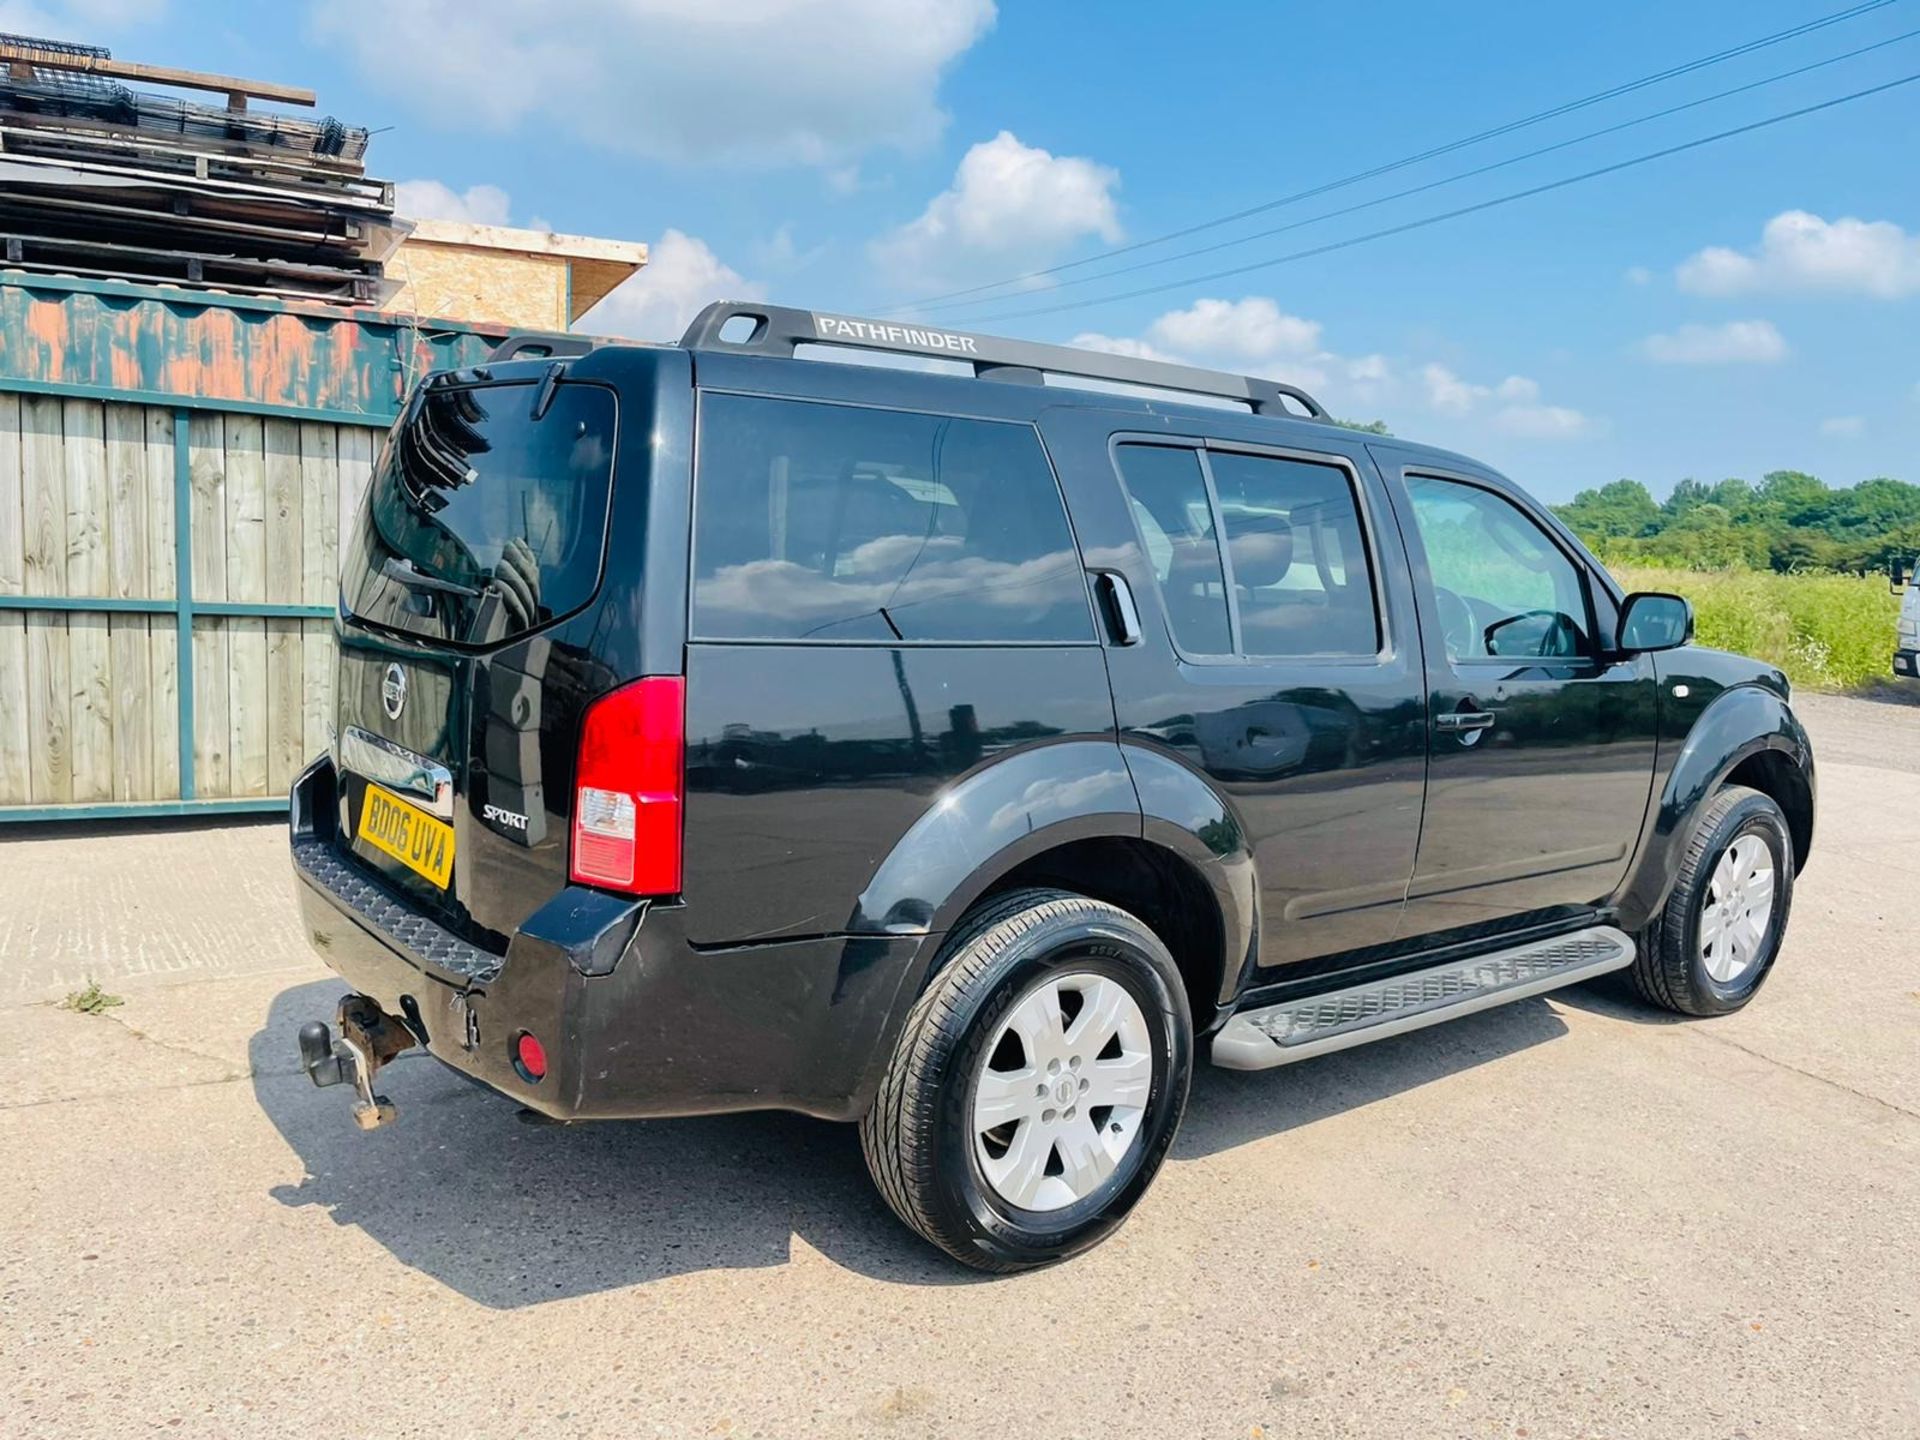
(1569, 1217)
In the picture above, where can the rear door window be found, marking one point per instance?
(483, 521)
(836, 522)
(1292, 579)
(1301, 579)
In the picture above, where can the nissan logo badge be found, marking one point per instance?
(393, 691)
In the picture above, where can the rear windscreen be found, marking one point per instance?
(484, 521)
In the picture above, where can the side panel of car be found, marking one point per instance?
(1318, 756)
(885, 600)
(808, 766)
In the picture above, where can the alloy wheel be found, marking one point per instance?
(1737, 910)
(1058, 1102)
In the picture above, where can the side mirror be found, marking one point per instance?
(1902, 575)
(1651, 620)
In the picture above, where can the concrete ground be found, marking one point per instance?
(1570, 1217)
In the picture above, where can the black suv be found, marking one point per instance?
(969, 754)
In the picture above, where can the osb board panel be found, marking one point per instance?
(527, 292)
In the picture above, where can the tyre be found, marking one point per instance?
(1037, 1083)
(1713, 943)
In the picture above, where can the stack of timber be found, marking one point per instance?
(102, 181)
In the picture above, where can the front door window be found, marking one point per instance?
(1503, 589)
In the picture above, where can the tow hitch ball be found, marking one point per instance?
(369, 1038)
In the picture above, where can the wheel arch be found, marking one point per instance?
(1080, 816)
(1746, 736)
(1158, 887)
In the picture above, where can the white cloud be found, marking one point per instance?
(1844, 426)
(1252, 335)
(1010, 206)
(1448, 393)
(1370, 370)
(761, 82)
(1542, 422)
(680, 277)
(431, 200)
(1253, 331)
(1639, 275)
(1120, 345)
(1738, 342)
(779, 252)
(1802, 252)
(1255, 335)
(1512, 406)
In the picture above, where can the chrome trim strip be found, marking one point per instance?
(374, 757)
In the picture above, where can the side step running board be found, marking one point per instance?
(1318, 1024)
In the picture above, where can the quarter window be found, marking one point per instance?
(1175, 519)
(836, 522)
(1503, 590)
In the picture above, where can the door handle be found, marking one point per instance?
(1116, 603)
(1460, 721)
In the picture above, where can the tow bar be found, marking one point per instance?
(369, 1038)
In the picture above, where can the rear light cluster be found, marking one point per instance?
(629, 788)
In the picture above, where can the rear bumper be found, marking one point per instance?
(634, 1020)
(1907, 663)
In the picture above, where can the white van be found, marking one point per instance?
(1906, 644)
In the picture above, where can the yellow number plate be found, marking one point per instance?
(418, 841)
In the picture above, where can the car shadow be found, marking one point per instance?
(1230, 1107)
(1889, 692)
(512, 1214)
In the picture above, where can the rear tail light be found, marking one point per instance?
(629, 787)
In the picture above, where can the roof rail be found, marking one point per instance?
(545, 344)
(778, 329)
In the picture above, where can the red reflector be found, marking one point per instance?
(628, 789)
(531, 1056)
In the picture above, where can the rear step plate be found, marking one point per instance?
(1318, 1024)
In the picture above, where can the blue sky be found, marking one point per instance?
(1744, 307)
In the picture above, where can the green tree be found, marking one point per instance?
(1685, 496)
(1790, 522)
(1796, 497)
(1616, 511)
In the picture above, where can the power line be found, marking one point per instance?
(1554, 112)
(1454, 179)
(1429, 220)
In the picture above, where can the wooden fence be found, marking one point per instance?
(177, 472)
(89, 510)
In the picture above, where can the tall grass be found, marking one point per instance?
(1828, 632)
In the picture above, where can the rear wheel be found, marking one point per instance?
(1037, 1084)
(1716, 938)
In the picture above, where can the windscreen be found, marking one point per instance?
(487, 515)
